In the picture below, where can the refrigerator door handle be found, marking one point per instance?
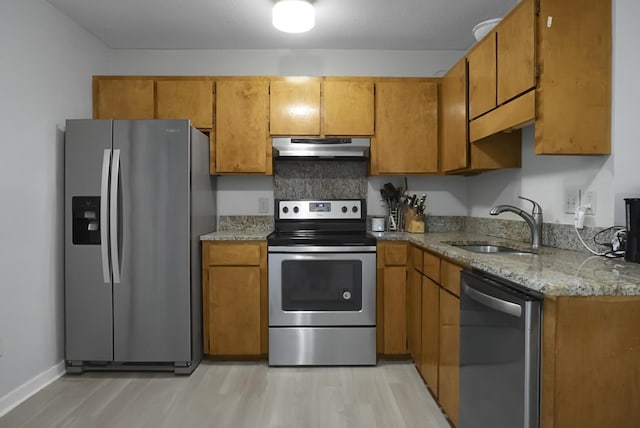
(114, 209)
(104, 219)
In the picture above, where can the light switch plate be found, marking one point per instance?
(263, 205)
(571, 199)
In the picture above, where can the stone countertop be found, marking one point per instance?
(236, 235)
(553, 272)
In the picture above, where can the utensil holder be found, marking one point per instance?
(394, 220)
(414, 223)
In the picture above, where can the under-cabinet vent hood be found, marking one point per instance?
(322, 148)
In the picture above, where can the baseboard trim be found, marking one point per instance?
(30, 387)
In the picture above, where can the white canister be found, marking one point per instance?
(377, 224)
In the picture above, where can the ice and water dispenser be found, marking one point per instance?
(86, 220)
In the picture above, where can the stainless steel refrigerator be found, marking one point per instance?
(138, 195)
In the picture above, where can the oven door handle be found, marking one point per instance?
(301, 249)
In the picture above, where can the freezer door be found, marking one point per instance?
(152, 297)
(87, 285)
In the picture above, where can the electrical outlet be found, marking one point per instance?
(571, 200)
(589, 199)
(263, 205)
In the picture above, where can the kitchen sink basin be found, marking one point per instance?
(489, 249)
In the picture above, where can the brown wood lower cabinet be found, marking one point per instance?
(590, 373)
(391, 292)
(235, 306)
(430, 333)
(435, 284)
(448, 354)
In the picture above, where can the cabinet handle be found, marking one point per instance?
(492, 302)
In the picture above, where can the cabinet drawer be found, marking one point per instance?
(395, 254)
(241, 254)
(415, 258)
(431, 266)
(450, 277)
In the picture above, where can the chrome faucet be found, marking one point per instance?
(534, 220)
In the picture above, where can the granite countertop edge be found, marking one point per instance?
(552, 272)
(235, 235)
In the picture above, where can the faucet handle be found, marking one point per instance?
(537, 209)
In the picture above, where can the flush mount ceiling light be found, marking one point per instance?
(293, 16)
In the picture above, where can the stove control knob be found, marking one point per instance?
(296, 210)
(346, 295)
(344, 209)
(354, 209)
(285, 210)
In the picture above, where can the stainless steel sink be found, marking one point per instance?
(489, 249)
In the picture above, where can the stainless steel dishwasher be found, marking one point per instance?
(500, 326)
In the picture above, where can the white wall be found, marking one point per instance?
(284, 62)
(544, 179)
(445, 195)
(626, 93)
(45, 77)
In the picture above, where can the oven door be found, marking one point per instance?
(322, 286)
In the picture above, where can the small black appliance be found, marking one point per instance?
(632, 253)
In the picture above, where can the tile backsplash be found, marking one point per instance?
(320, 179)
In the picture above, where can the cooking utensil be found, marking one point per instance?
(421, 204)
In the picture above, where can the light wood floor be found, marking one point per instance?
(236, 395)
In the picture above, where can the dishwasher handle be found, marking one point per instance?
(493, 302)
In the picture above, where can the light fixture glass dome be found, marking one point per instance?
(293, 16)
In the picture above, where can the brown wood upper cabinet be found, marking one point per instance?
(241, 141)
(573, 99)
(567, 43)
(406, 139)
(132, 97)
(482, 76)
(119, 97)
(457, 154)
(501, 68)
(313, 106)
(186, 99)
(294, 106)
(348, 106)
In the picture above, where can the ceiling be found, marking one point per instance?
(246, 24)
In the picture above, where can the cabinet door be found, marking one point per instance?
(516, 52)
(482, 76)
(430, 327)
(431, 263)
(395, 315)
(406, 140)
(117, 98)
(454, 139)
(234, 310)
(573, 99)
(449, 372)
(414, 314)
(186, 99)
(242, 137)
(347, 107)
(450, 277)
(294, 106)
(393, 254)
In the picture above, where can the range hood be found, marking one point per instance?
(322, 148)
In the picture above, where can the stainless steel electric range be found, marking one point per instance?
(322, 284)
